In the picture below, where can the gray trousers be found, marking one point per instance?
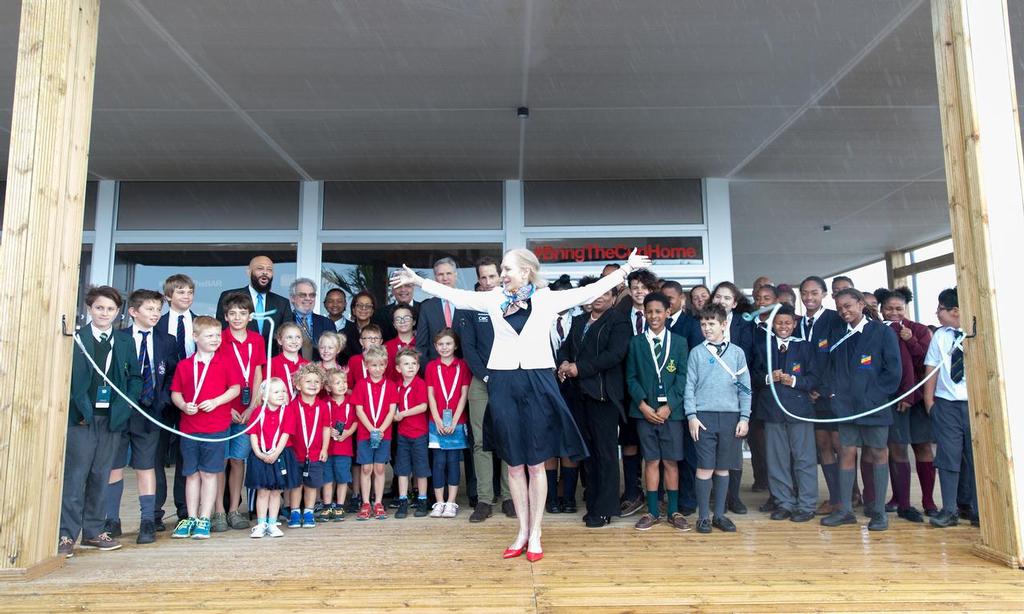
(483, 461)
(89, 455)
(792, 453)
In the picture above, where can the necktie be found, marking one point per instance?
(639, 323)
(104, 337)
(180, 335)
(810, 324)
(560, 329)
(447, 313)
(719, 347)
(260, 307)
(783, 347)
(956, 360)
(147, 370)
(659, 351)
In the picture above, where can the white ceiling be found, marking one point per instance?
(820, 111)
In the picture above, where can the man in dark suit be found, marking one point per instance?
(591, 360)
(261, 277)
(303, 297)
(383, 317)
(157, 358)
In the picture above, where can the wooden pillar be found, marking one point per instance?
(894, 260)
(40, 251)
(981, 139)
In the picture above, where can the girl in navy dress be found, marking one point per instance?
(527, 421)
(271, 467)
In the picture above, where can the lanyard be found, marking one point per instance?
(668, 345)
(735, 374)
(375, 413)
(405, 399)
(307, 439)
(288, 380)
(247, 367)
(330, 409)
(277, 433)
(196, 377)
(444, 389)
(848, 334)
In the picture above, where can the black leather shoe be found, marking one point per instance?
(113, 527)
(837, 518)
(508, 508)
(910, 514)
(703, 525)
(879, 522)
(931, 513)
(568, 507)
(722, 523)
(473, 501)
(781, 514)
(687, 511)
(160, 526)
(596, 522)
(147, 532)
(891, 507)
(736, 507)
(801, 517)
(945, 520)
(768, 506)
(553, 507)
(481, 513)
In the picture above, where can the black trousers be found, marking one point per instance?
(599, 424)
(167, 448)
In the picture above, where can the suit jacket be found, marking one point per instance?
(165, 359)
(321, 324)
(800, 361)
(598, 355)
(352, 345)
(124, 374)
(429, 322)
(741, 334)
(688, 327)
(477, 337)
(162, 324)
(642, 375)
(281, 307)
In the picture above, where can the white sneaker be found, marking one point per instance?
(258, 531)
(450, 510)
(437, 510)
(273, 531)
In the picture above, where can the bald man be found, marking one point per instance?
(261, 277)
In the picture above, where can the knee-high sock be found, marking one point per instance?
(831, 473)
(846, 478)
(901, 483)
(703, 488)
(881, 476)
(552, 475)
(926, 476)
(631, 467)
(866, 474)
(948, 482)
(735, 479)
(146, 505)
(112, 500)
(721, 492)
(569, 475)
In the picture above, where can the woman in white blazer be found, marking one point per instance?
(527, 420)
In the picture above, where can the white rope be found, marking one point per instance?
(265, 315)
(778, 401)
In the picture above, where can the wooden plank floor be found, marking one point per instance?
(450, 565)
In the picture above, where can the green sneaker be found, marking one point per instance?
(184, 528)
(201, 529)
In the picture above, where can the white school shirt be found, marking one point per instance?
(138, 343)
(806, 334)
(97, 332)
(172, 330)
(939, 356)
(566, 319)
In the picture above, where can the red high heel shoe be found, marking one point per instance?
(533, 557)
(511, 553)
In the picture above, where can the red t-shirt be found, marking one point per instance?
(253, 352)
(219, 377)
(344, 412)
(393, 347)
(410, 396)
(454, 377)
(283, 368)
(360, 398)
(283, 417)
(316, 416)
(356, 371)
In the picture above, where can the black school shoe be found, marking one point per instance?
(568, 507)
(722, 523)
(781, 514)
(945, 520)
(838, 518)
(508, 508)
(421, 508)
(147, 532)
(113, 527)
(596, 522)
(801, 516)
(879, 522)
(736, 507)
(553, 507)
(771, 505)
(403, 508)
(703, 525)
(910, 514)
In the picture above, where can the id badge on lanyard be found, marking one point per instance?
(104, 393)
(307, 437)
(446, 414)
(246, 370)
(376, 436)
(662, 395)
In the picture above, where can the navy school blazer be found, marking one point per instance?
(688, 327)
(165, 360)
(800, 361)
(864, 372)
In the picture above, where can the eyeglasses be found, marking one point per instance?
(402, 319)
(362, 306)
(374, 338)
(306, 294)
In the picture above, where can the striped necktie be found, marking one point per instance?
(659, 351)
(148, 392)
(956, 360)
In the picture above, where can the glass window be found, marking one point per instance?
(608, 203)
(412, 205)
(926, 288)
(867, 278)
(214, 268)
(226, 205)
(84, 273)
(931, 251)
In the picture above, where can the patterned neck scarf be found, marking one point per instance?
(514, 301)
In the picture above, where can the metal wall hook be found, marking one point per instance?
(64, 326)
(974, 328)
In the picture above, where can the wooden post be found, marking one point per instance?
(981, 139)
(41, 248)
(894, 260)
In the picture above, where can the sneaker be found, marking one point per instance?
(295, 519)
(147, 532)
(451, 510)
(259, 531)
(238, 521)
(678, 522)
(274, 531)
(403, 508)
(910, 514)
(308, 521)
(103, 542)
(481, 513)
(202, 529)
(339, 514)
(722, 523)
(379, 512)
(113, 527)
(703, 525)
(647, 522)
(945, 520)
(326, 514)
(631, 506)
(66, 547)
(364, 512)
(437, 509)
(508, 508)
(879, 522)
(218, 522)
(421, 508)
(184, 528)
(838, 518)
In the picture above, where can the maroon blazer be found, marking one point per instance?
(912, 353)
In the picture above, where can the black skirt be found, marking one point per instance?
(259, 474)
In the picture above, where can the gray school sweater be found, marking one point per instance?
(710, 388)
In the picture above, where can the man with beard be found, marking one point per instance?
(261, 277)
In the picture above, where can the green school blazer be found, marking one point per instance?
(642, 376)
(124, 373)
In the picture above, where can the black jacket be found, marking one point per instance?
(599, 355)
(476, 335)
(165, 359)
(281, 307)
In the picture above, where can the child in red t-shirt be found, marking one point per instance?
(203, 387)
(338, 470)
(370, 336)
(447, 392)
(287, 363)
(272, 467)
(411, 454)
(405, 324)
(309, 442)
(375, 399)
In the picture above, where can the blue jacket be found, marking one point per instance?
(476, 336)
(863, 372)
(688, 327)
(801, 362)
(165, 359)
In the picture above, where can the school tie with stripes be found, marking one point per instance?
(659, 351)
(180, 335)
(956, 360)
(147, 370)
(639, 323)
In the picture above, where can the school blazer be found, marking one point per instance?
(912, 353)
(688, 327)
(430, 321)
(598, 355)
(802, 363)
(165, 320)
(530, 349)
(741, 334)
(124, 373)
(864, 373)
(281, 307)
(165, 360)
(642, 375)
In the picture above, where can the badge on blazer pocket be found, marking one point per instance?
(671, 368)
(161, 369)
(795, 369)
(823, 345)
(865, 361)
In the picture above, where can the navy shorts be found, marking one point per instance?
(911, 427)
(660, 441)
(338, 469)
(137, 447)
(858, 436)
(411, 457)
(205, 456)
(238, 448)
(312, 476)
(365, 455)
(718, 447)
